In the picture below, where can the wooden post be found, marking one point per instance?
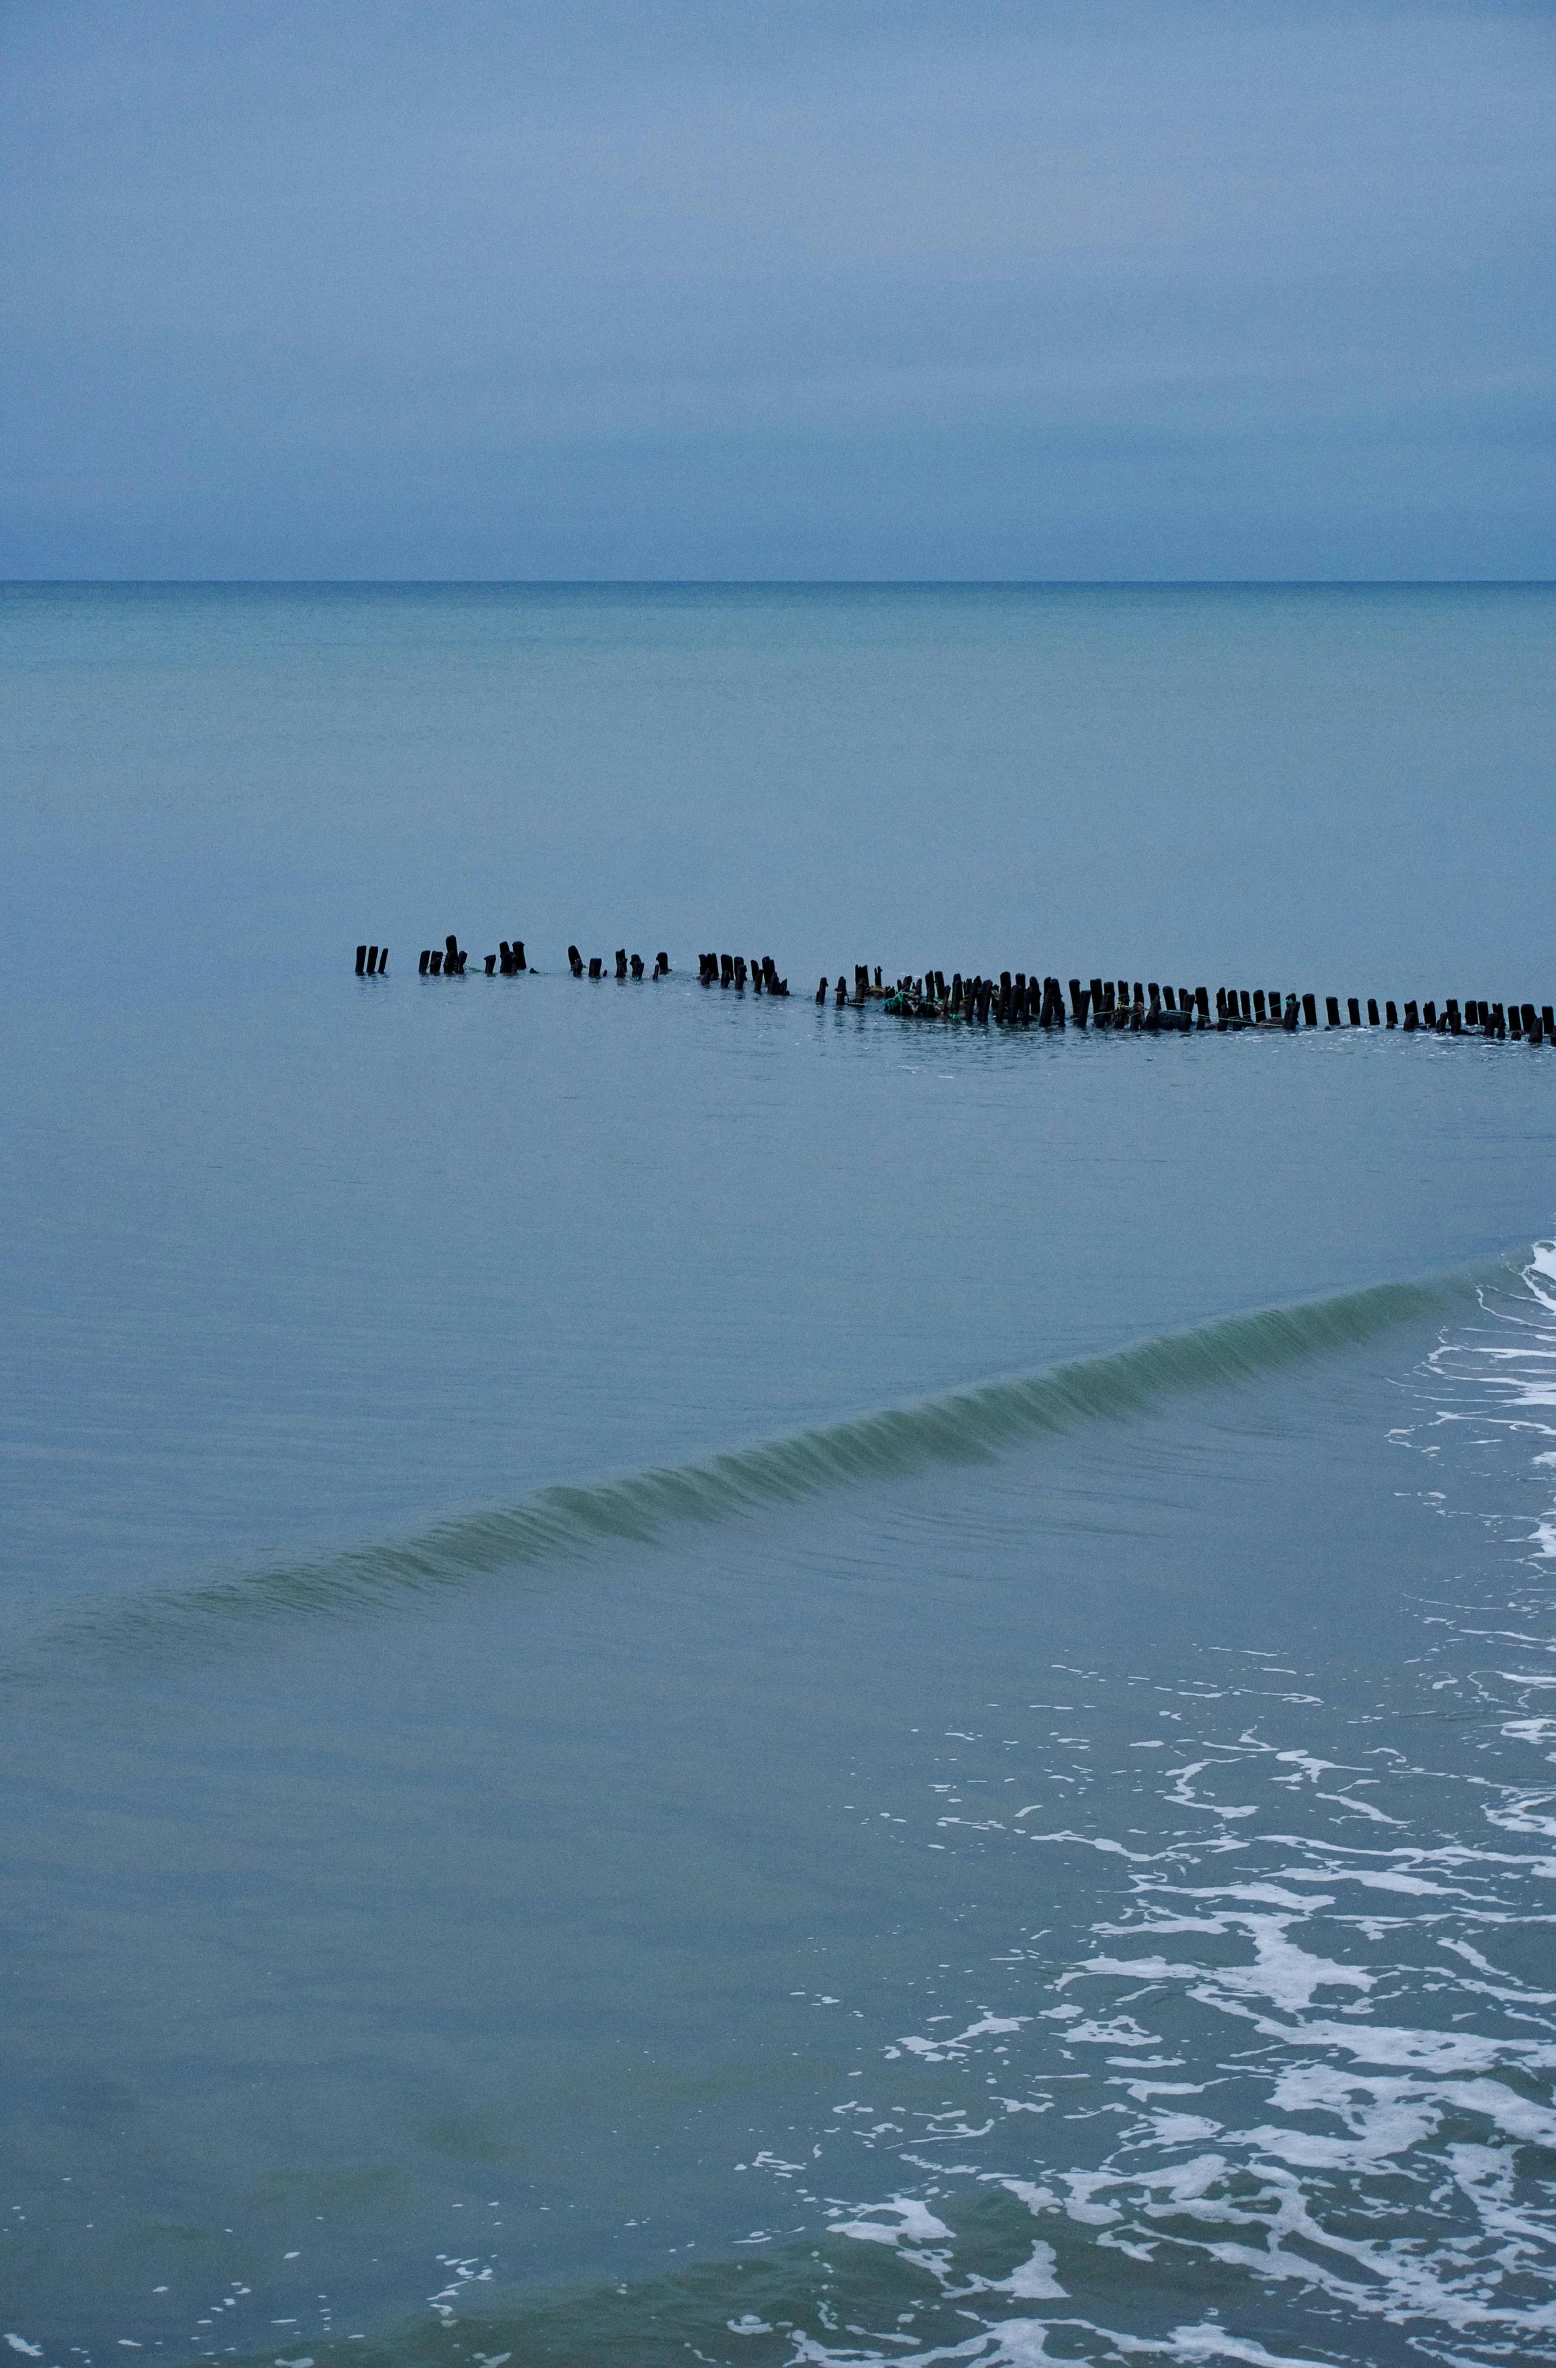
(739, 973)
(437, 964)
(426, 957)
(491, 965)
(1410, 1019)
(1310, 1010)
(621, 961)
(1353, 1008)
(361, 960)
(842, 990)
(596, 966)
(372, 961)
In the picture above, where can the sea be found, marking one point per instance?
(689, 1677)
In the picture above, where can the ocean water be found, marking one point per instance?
(684, 1677)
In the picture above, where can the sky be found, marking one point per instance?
(1191, 289)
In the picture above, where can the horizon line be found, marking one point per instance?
(783, 583)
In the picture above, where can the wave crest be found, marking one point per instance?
(959, 1427)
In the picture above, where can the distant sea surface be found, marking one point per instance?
(690, 1677)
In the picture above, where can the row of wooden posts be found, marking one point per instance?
(1021, 1001)
(449, 959)
(1016, 1000)
(729, 970)
(626, 964)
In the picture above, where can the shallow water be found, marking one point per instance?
(688, 1677)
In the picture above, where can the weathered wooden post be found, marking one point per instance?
(491, 965)
(596, 966)
(739, 974)
(426, 957)
(361, 960)
(575, 961)
(436, 963)
(621, 961)
(1411, 1020)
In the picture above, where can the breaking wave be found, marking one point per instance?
(960, 1427)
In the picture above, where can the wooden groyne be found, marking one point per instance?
(1149, 1008)
(1018, 999)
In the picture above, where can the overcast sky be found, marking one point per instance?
(713, 288)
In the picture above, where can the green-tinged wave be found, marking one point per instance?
(963, 1426)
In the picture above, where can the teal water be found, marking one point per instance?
(687, 1677)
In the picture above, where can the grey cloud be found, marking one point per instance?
(401, 290)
